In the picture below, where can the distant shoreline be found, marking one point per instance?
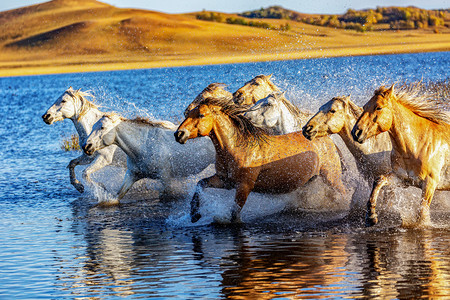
(30, 68)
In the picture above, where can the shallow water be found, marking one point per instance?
(56, 244)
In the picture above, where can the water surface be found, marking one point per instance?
(56, 244)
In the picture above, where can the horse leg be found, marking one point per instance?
(214, 181)
(99, 163)
(428, 189)
(378, 184)
(81, 160)
(242, 192)
(128, 181)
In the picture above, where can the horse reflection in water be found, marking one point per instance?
(392, 265)
(249, 159)
(151, 150)
(74, 105)
(419, 129)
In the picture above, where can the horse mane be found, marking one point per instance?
(354, 109)
(247, 133)
(141, 121)
(154, 123)
(423, 104)
(293, 109)
(86, 105)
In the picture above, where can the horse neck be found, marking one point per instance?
(358, 150)
(129, 137)
(403, 132)
(83, 124)
(223, 137)
(288, 122)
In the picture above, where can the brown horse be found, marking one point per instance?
(213, 90)
(258, 88)
(247, 158)
(420, 134)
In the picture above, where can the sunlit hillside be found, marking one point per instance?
(87, 35)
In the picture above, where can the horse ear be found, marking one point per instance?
(390, 90)
(70, 88)
(269, 76)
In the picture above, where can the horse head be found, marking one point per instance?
(199, 122)
(254, 90)
(102, 134)
(213, 90)
(377, 116)
(266, 112)
(331, 117)
(64, 107)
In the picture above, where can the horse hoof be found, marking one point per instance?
(79, 187)
(195, 217)
(371, 220)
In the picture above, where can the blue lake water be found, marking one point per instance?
(55, 244)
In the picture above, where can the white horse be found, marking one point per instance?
(277, 114)
(339, 115)
(151, 149)
(73, 105)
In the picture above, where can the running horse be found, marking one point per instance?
(249, 159)
(419, 129)
(338, 116)
(74, 105)
(150, 148)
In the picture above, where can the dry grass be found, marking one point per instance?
(71, 143)
(85, 35)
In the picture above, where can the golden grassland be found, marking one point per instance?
(63, 36)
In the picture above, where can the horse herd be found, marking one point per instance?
(261, 142)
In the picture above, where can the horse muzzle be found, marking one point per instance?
(181, 136)
(309, 132)
(358, 135)
(88, 149)
(48, 119)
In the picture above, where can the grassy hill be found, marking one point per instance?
(87, 35)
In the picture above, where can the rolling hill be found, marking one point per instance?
(88, 35)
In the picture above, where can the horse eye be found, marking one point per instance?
(64, 101)
(201, 116)
(378, 108)
(332, 111)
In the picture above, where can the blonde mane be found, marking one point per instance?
(86, 105)
(423, 104)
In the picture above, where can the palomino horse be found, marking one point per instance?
(420, 134)
(152, 152)
(254, 90)
(277, 114)
(213, 90)
(339, 115)
(248, 159)
(73, 105)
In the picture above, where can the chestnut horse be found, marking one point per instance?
(420, 134)
(248, 159)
